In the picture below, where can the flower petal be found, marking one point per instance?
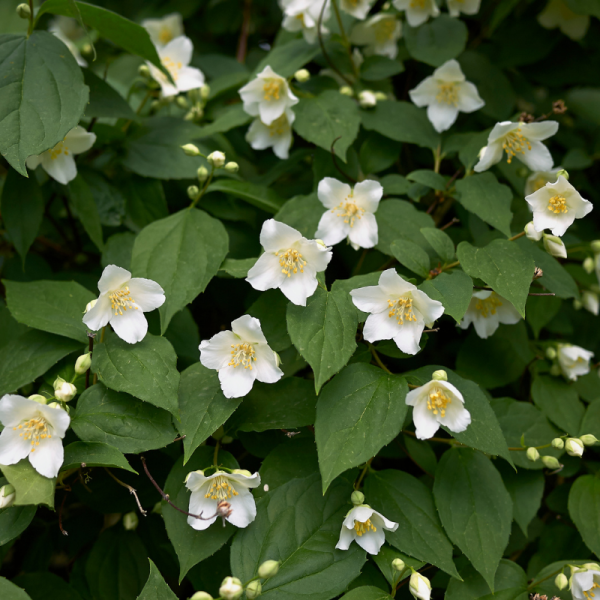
(536, 132)
(216, 352)
(393, 285)
(408, 336)
(248, 328)
(236, 382)
(265, 365)
(538, 158)
(131, 326)
(100, 315)
(346, 538)
(14, 409)
(147, 294)
(195, 481)
(442, 115)
(189, 78)
(48, 457)
(332, 229)
(371, 541)
(178, 50)
(266, 274)
(79, 140)
(58, 419)
(491, 155)
(205, 507)
(61, 168)
(430, 309)
(469, 99)
(364, 233)
(275, 236)
(243, 508)
(317, 257)
(332, 192)
(13, 447)
(367, 195)
(299, 286)
(425, 93)
(371, 299)
(449, 72)
(113, 278)
(379, 326)
(457, 417)
(425, 422)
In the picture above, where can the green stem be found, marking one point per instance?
(534, 583)
(203, 190)
(437, 159)
(378, 359)
(347, 44)
(216, 454)
(516, 237)
(30, 28)
(363, 473)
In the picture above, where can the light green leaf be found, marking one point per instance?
(410, 255)
(30, 486)
(302, 213)
(384, 561)
(86, 209)
(378, 153)
(117, 250)
(286, 59)
(14, 521)
(429, 178)
(366, 592)
(398, 219)
(156, 587)
(559, 401)
(394, 185)
(259, 196)
(94, 454)
(236, 267)
(9, 591)
(104, 100)
(584, 509)
(454, 290)
(440, 242)
(229, 118)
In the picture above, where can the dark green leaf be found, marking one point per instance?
(118, 250)
(398, 219)
(454, 290)
(104, 100)
(437, 41)
(259, 196)
(526, 489)
(236, 267)
(47, 586)
(410, 255)
(302, 213)
(156, 588)
(14, 521)
(86, 209)
(231, 117)
(30, 486)
(559, 401)
(584, 509)
(384, 562)
(94, 454)
(428, 178)
(366, 593)
(145, 202)
(286, 59)
(376, 68)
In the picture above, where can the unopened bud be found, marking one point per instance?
(202, 174)
(24, 11)
(7, 495)
(379, 96)
(131, 521)
(90, 305)
(201, 596)
(574, 447)
(232, 167)
(357, 498)
(532, 454)
(219, 433)
(302, 75)
(57, 405)
(182, 102)
(595, 246)
(205, 92)
(551, 352)
(83, 363)
(193, 192)
(253, 589)
(367, 99)
(398, 565)
(38, 398)
(63, 390)
(346, 90)
(563, 173)
(216, 159)
(268, 569)
(590, 302)
(226, 439)
(190, 150)
(321, 243)
(577, 304)
(555, 370)
(589, 265)
(419, 586)
(561, 581)
(588, 439)
(531, 233)
(277, 358)
(550, 462)
(144, 71)
(439, 375)
(554, 246)
(231, 588)
(558, 443)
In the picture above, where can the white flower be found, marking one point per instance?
(367, 99)
(468, 7)
(380, 35)
(216, 159)
(59, 162)
(267, 96)
(419, 586)
(531, 233)
(574, 447)
(364, 526)
(176, 57)
(32, 430)
(290, 262)
(437, 403)
(556, 206)
(521, 140)
(350, 212)
(303, 15)
(7, 496)
(445, 94)
(417, 11)
(64, 391)
(585, 581)
(538, 179)
(558, 14)
(399, 311)
(162, 31)
(359, 9)
(590, 302)
(240, 356)
(208, 492)
(123, 302)
(68, 31)
(277, 135)
(486, 311)
(574, 361)
(554, 246)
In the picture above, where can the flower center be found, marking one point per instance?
(171, 66)
(242, 354)
(59, 149)
(417, 4)
(35, 429)
(291, 260)
(362, 528)
(589, 593)
(220, 489)
(539, 183)
(447, 94)
(384, 30)
(121, 300)
(165, 35)
(401, 309)
(300, 18)
(438, 401)
(278, 126)
(272, 89)
(348, 210)
(488, 306)
(558, 204)
(515, 143)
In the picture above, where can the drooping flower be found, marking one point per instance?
(267, 96)
(419, 586)
(232, 488)
(303, 15)
(539, 179)
(519, 140)
(350, 212)
(176, 57)
(34, 431)
(240, 356)
(417, 11)
(290, 262)
(364, 526)
(380, 35)
(573, 361)
(59, 162)
(68, 31)
(486, 311)
(584, 581)
(122, 302)
(445, 94)
(437, 403)
(399, 311)
(556, 206)
(277, 135)
(468, 7)
(165, 29)
(359, 9)
(558, 14)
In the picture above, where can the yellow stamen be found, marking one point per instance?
(362, 528)
(242, 354)
(348, 210)
(172, 66)
(417, 4)
(384, 29)
(291, 261)
(165, 35)
(272, 89)
(589, 593)
(402, 309)
(447, 94)
(539, 183)
(121, 300)
(558, 204)
(438, 401)
(35, 429)
(278, 126)
(60, 148)
(515, 143)
(487, 306)
(220, 489)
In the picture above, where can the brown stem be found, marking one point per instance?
(378, 359)
(360, 262)
(322, 45)
(60, 511)
(91, 337)
(450, 223)
(363, 473)
(516, 237)
(131, 491)
(242, 46)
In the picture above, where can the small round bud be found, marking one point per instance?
(190, 150)
(219, 433)
(268, 569)
(357, 498)
(439, 375)
(226, 439)
(563, 173)
(205, 92)
(24, 11)
(551, 352)
(398, 565)
(86, 49)
(589, 265)
(561, 581)
(266, 487)
(558, 443)
(216, 159)
(58, 405)
(7, 495)
(63, 390)
(551, 463)
(131, 521)
(182, 102)
(577, 304)
(38, 398)
(555, 370)
(533, 454)
(232, 167)
(522, 172)
(155, 105)
(201, 596)
(346, 90)
(243, 472)
(321, 243)
(83, 363)
(379, 96)
(386, 6)
(554, 246)
(419, 586)
(302, 75)
(591, 302)
(253, 589)
(90, 305)
(588, 439)
(231, 588)
(202, 174)
(574, 447)
(367, 99)
(193, 192)
(595, 246)
(531, 233)
(144, 71)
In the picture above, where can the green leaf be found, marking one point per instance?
(410, 255)
(94, 454)
(401, 121)
(326, 117)
(47, 586)
(584, 509)
(526, 489)
(584, 103)
(324, 332)
(184, 337)
(105, 102)
(86, 209)
(118, 250)
(488, 199)
(229, 118)
(384, 562)
(407, 501)
(302, 213)
(436, 41)
(14, 521)
(559, 401)
(503, 266)
(378, 153)
(121, 421)
(358, 413)
(300, 527)
(261, 197)
(286, 59)
(30, 486)
(190, 545)
(9, 591)
(428, 178)
(146, 370)
(182, 253)
(156, 588)
(366, 592)
(52, 306)
(22, 210)
(43, 95)
(236, 267)
(376, 68)
(398, 219)
(270, 309)
(394, 185)
(454, 290)
(591, 419)
(475, 508)
(540, 311)
(145, 202)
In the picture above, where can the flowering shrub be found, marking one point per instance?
(299, 301)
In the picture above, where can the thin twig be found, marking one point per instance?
(450, 223)
(60, 510)
(322, 45)
(242, 46)
(378, 359)
(131, 491)
(178, 439)
(431, 330)
(335, 163)
(91, 337)
(364, 472)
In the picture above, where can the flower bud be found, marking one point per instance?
(589, 265)
(193, 192)
(321, 243)
(144, 71)
(243, 472)
(205, 92)
(588, 439)
(590, 302)
(231, 588)
(346, 90)
(561, 581)
(574, 447)
(277, 358)
(190, 150)
(216, 159)
(419, 586)
(302, 75)
(226, 439)
(90, 305)
(201, 596)
(7, 495)
(563, 173)
(531, 233)
(551, 463)
(577, 304)
(131, 521)
(63, 390)
(83, 363)
(232, 167)
(551, 352)
(253, 589)
(554, 246)
(182, 102)
(266, 487)
(357, 498)
(202, 174)
(268, 569)
(558, 443)
(439, 375)
(595, 246)
(379, 96)
(398, 565)
(532, 454)
(38, 398)
(367, 99)
(24, 11)
(58, 405)
(591, 566)
(555, 370)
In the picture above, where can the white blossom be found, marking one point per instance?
(277, 135)
(584, 581)
(364, 526)
(468, 7)
(445, 94)
(380, 35)
(520, 140)
(165, 29)
(350, 212)
(486, 311)
(267, 96)
(303, 15)
(33, 431)
(240, 357)
(437, 403)
(176, 57)
(399, 311)
(556, 206)
(417, 11)
(538, 179)
(419, 586)
(122, 302)
(573, 361)
(359, 9)
(558, 14)
(68, 31)
(59, 162)
(233, 488)
(290, 262)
